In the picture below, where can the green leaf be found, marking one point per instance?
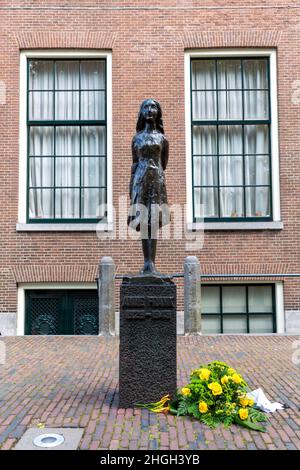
(174, 407)
(182, 409)
(248, 424)
(257, 416)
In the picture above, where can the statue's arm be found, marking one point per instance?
(134, 165)
(165, 154)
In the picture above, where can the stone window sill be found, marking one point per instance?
(273, 225)
(23, 227)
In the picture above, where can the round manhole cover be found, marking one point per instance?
(49, 440)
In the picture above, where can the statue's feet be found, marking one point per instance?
(149, 268)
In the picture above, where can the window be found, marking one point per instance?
(66, 139)
(61, 312)
(238, 308)
(231, 138)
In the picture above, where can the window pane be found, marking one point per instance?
(40, 75)
(210, 299)
(255, 73)
(206, 202)
(93, 203)
(41, 171)
(93, 171)
(92, 105)
(92, 74)
(67, 75)
(211, 324)
(234, 299)
(257, 202)
(204, 140)
(261, 324)
(203, 74)
(260, 299)
(93, 140)
(230, 105)
(256, 139)
(230, 140)
(67, 171)
(256, 104)
(231, 170)
(40, 105)
(41, 204)
(232, 202)
(41, 140)
(234, 324)
(66, 105)
(204, 105)
(67, 203)
(67, 140)
(205, 171)
(229, 74)
(257, 169)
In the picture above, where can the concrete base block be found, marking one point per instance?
(8, 324)
(71, 436)
(292, 321)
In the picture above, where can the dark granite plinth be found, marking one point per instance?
(147, 339)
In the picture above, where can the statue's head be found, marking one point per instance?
(150, 110)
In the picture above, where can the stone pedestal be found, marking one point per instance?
(147, 339)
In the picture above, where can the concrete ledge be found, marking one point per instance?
(274, 225)
(8, 324)
(80, 227)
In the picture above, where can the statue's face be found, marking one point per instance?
(150, 111)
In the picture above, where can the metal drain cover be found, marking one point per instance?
(49, 440)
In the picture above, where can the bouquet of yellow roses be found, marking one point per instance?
(218, 394)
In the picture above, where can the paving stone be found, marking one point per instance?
(73, 382)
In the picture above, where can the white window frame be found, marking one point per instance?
(239, 52)
(279, 304)
(22, 224)
(21, 293)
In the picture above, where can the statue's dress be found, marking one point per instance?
(147, 185)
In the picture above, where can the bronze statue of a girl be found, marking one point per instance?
(148, 194)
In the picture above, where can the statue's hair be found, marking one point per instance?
(140, 125)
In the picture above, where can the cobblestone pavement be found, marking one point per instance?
(73, 382)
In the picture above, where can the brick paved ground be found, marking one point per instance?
(72, 382)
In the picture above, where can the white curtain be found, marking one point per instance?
(75, 147)
(233, 167)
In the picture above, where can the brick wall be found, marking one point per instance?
(148, 40)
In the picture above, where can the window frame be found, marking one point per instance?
(23, 212)
(247, 314)
(272, 221)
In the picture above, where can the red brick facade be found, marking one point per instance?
(148, 41)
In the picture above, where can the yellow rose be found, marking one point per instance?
(224, 380)
(250, 402)
(243, 413)
(237, 378)
(203, 407)
(231, 371)
(186, 391)
(204, 374)
(216, 388)
(244, 402)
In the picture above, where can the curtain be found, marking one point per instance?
(230, 90)
(66, 159)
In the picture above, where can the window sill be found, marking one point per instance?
(65, 227)
(272, 225)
